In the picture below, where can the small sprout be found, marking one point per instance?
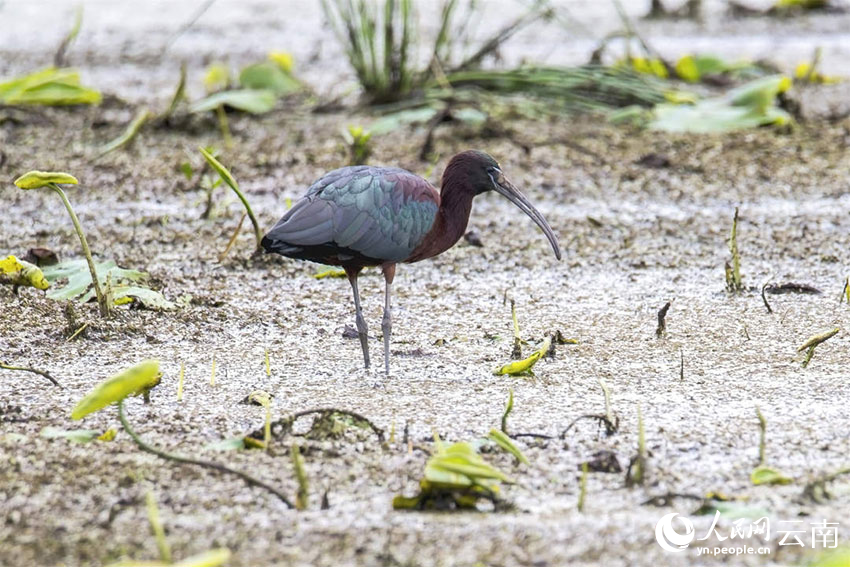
(50, 179)
(302, 497)
(129, 133)
(59, 56)
(21, 273)
(265, 400)
(662, 320)
(517, 351)
(357, 142)
(524, 366)
(225, 174)
(133, 381)
(268, 363)
(180, 382)
(179, 94)
(212, 372)
(505, 442)
(232, 240)
(813, 342)
(766, 475)
(636, 474)
(156, 527)
(582, 487)
(733, 271)
(508, 409)
(763, 474)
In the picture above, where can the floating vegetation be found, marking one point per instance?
(524, 367)
(51, 87)
(749, 106)
(71, 280)
(456, 477)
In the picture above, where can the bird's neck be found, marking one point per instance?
(450, 222)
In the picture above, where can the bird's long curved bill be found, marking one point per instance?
(507, 189)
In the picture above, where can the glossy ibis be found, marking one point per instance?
(363, 216)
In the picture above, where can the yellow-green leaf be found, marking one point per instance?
(211, 558)
(20, 272)
(131, 381)
(523, 366)
(220, 169)
(36, 179)
(283, 59)
(506, 443)
(329, 273)
(767, 475)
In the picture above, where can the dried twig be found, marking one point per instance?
(662, 324)
(199, 462)
(5, 366)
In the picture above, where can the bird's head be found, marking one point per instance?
(483, 173)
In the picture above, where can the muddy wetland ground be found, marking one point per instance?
(636, 232)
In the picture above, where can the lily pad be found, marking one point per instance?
(254, 101)
(124, 284)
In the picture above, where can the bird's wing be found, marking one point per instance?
(379, 213)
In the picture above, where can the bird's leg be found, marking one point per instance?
(387, 321)
(352, 274)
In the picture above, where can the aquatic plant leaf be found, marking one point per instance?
(128, 134)
(123, 283)
(108, 435)
(748, 106)
(21, 272)
(130, 382)
(254, 101)
(229, 444)
(767, 475)
(75, 435)
(49, 86)
(506, 443)
(37, 179)
(220, 169)
(268, 75)
(396, 120)
(524, 366)
(211, 558)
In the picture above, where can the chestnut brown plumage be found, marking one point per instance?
(362, 216)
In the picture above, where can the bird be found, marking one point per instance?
(366, 216)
